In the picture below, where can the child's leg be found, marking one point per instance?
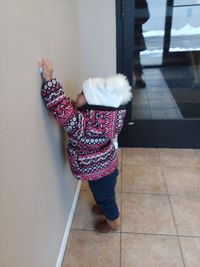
(104, 194)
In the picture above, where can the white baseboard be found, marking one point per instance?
(68, 227)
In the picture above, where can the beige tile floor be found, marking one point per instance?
(158, 193)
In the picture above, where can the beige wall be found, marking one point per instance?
(97, 29)
(36, 185)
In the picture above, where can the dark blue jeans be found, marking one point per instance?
(103, 191)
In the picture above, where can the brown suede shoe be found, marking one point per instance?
(107, 226)
(97, 210)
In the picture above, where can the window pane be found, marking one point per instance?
(167, 68)
(185, 32)
(186, 2)
(153, 33)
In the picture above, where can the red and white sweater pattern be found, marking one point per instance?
(91, 130)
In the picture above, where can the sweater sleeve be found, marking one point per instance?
(61, 108)
(119, 122)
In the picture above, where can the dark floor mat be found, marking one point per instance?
(180, 83)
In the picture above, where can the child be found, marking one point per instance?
(92, 124)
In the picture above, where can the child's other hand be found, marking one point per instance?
(47, 68)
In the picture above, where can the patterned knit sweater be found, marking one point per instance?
(91, 130)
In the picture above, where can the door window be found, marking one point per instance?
(166, 60)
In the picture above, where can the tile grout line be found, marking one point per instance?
(172, 212)
(162, 194)
(158, 234)
(139, 233)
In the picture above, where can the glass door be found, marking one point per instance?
(158, 45)
(182, 32)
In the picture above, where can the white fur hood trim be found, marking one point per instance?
(113, 91)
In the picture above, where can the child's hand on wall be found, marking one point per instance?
(47, 68)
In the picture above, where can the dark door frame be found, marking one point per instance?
(147, 133)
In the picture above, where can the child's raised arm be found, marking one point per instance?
(58, 103)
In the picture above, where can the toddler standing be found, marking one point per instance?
(92, 124)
